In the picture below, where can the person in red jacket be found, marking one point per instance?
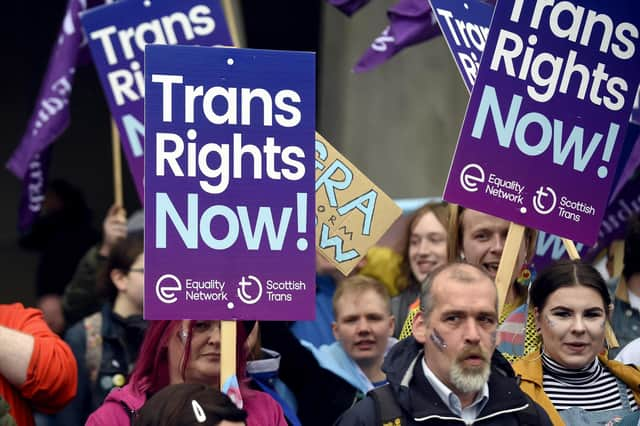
(37, 368)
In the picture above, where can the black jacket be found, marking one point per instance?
(420, 403)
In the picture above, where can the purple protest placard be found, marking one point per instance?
(541, 137)
(230, 192)
(118, 34)
(465, 26)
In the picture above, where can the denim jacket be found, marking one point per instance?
(119, 351)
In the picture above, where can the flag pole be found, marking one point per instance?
(117, 165)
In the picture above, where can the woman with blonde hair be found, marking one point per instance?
(425, 248)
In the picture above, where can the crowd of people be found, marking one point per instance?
(440, 351)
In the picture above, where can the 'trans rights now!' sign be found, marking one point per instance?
(546, 120)
(117, 34)
(229, 184)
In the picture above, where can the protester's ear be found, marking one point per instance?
(119, 279)
(392, 325)
(419, 328)
(536, 315)
(334, 329)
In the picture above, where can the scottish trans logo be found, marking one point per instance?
(544, 201)
(166, 288)
(248, 286)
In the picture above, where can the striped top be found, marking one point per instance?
(593, 388)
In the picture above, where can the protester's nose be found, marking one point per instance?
(423, 246)
(472, 332)
(214, 333)
(497, 244)
(578, 325)
(363, 326)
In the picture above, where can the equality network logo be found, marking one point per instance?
(166, 288)
(471, 176)
(252, 283)
(544, 201)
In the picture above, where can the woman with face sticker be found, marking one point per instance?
(570, 376)
(184, 351)
(425, 248)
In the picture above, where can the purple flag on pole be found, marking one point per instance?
(410, 22)
(50, 116)
(348, 7)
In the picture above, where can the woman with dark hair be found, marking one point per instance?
(425, 248)
(190, 404)
(106, 343)
(183, 351)
(570, 375)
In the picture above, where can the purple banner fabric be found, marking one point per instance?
(229, 184)
(618, 212)
(465, 26)
(630, 160)
(544, 126)
(348, 7)
(33, 189)
(117, 36)
(410, 22)
(50, 116)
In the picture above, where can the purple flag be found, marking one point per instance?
(348, 7)
(631, 164)
(33, 189)
(50, 116)
(410, 22)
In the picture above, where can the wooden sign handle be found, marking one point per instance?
(617, 247)
(612, 341)
(227, 350)
(504, 277)
(228, 329)
(233, 22)
(117, 165)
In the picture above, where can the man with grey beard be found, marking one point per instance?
(447, 372)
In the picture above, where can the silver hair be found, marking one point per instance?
(458, 273)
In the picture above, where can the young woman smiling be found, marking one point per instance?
(571, 377)
(425, 248)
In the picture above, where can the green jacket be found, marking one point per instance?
(80, 298)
